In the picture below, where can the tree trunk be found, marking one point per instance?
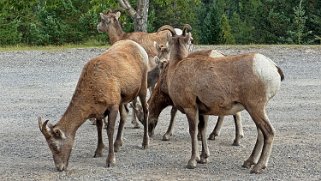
(140, 16)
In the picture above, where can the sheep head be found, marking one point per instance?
(59, 144)
(162, 55)
(106, 19)
(180, 45)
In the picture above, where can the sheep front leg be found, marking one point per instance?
(169, 131)
(100, 146)
(217, 129)
(110, 133)
(192, 117)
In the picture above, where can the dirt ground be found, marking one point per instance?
(41, 83)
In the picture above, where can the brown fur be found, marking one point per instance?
(201, 85)
(109, 23)
(107, 82)
(160, 99)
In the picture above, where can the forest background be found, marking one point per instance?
(57, 22)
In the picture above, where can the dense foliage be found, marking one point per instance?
(43, 22)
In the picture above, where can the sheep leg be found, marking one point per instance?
(254, 157)
(192, 117)
(238, 129)
(202, 127)
(268, 133)
(265, 137)
(110, 133)
(169, 131)
(134, 120)
(142, 98)
(123, 115)
(100, 146)
(217, 129)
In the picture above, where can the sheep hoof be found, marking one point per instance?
(236, 143)
(111, 162)
(248, 164)
(212, 137)
(166, 137)
(257, 169)
(191, 164)
(98, 154)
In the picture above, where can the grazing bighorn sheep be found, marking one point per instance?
(160, 99)
(107, 82)
(202, 85)
(110, 23)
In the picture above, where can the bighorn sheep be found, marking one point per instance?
(107, 82)
(201, 85)
(110, 23)
(160, 99)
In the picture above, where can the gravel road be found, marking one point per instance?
(41, 83)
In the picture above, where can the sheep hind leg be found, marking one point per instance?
(252, 160)
(238, 129)
(134, 117)
(192, 117)
(111, 160)
(169, 131)
(202, 127)
(265, 140)
(217, 129)
(268, 134)
(142, 97)
(119, 140)
(100, 146)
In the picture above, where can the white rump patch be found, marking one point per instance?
(266, 70)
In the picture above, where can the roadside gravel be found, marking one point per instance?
(41, 83)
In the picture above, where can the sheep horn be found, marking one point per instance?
(43, 128)
(186, 29)
(167, 27)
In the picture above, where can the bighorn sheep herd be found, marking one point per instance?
(198, 84)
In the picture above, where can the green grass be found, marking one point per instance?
(22, 47)
(95, 44)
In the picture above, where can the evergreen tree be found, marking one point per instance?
(226, 36)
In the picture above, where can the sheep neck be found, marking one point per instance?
(115, 32)
(73, 117)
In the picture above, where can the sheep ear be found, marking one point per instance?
(58, 133)
(118, 14)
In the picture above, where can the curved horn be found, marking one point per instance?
(186, 28)
(167, 27)
(43, 128)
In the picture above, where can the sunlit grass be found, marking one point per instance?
(96, 44)
(23, 47)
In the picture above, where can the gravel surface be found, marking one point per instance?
(41, 83)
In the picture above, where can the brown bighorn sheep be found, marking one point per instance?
(201, 85)
(110, 23)
(107, 82)
(160, 99)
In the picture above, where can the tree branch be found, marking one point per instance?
(126, 5)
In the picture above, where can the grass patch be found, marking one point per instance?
(97, 44)
(23, 47)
